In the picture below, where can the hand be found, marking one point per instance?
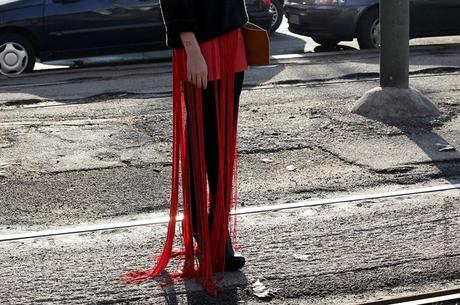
(197, 69)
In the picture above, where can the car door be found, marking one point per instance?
(421, 18)
(140, 22)
(434, 17)
(447, 13)
(79, 24)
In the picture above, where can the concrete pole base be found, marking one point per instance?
(395, 104)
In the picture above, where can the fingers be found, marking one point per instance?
(192, 78)
(189, 76)
(197, 70)
(198, 80)
(196, 75)
(204, 81)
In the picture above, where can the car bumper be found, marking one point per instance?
(262, 19)
(338, 23)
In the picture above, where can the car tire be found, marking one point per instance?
(369, 30)
(17, 54)
(327, 42)
(276, 7)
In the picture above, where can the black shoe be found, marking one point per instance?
(233, 261)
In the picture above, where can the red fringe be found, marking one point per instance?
(201, 262)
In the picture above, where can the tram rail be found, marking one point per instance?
(242, 211)
(443, 297)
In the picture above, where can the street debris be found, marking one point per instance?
(291, 168)
(6, 142)
(435, 123)
(310, 112)
(445, 147)
(261, 291)
(302, 257)
(267, 160)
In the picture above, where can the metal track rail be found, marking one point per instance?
(437, 297)
(242, 211)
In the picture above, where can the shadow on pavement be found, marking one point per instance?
(433, 145)
(280, 41)
(195, 295)
(420, 55)
(339, 47)
(443, 155)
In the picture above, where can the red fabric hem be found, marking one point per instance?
(209, 256)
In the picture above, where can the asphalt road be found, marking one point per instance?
(116, 146)
(335, 254)
(93, 145)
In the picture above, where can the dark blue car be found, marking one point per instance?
(59, 29)
(330, 21)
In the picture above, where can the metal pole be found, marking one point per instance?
(394, 100)
(394, 52)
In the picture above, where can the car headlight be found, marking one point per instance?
(329, 2)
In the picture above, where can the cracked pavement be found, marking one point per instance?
(90, 147)
(94, 146)
(331, 254)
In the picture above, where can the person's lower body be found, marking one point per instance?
(233, 261)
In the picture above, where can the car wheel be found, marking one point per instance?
(330, 43)
(276, 8)
(369, 30)
(16, 54)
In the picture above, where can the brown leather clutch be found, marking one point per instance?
(257, 45)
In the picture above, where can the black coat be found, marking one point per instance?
(206, 18)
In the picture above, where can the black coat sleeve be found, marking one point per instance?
(178, 17)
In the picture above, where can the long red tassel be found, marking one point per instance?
(209, 257)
